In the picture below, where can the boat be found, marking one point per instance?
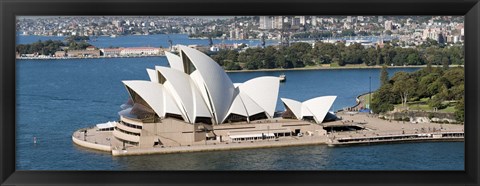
(282, 78)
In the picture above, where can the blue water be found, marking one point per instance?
(57, 97)
(156, 40)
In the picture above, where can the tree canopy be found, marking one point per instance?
(300, 54)
(438, 85)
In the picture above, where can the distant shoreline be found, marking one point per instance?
(332, 68)
(100, 57)
(348, 67)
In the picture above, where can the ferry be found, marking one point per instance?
(282, 78)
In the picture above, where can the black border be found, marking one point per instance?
(10, 8)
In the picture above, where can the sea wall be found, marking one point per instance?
(91, 145)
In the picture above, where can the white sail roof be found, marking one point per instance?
(151, 92)
(237, 107)
(317, 107)
(218, 85)
(250, 105)
(171, 106)
(196, 86)
(263, 91)
(174, 61)
(152, 74)
(185, 93)
(294, 106)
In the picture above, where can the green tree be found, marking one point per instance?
(426, 86)
(436, 102)
(383, 75)
(445, 62)
(383, 99)
(371, 57)
(354, 54)
(270, 55)
(325, 52)
(414, 59)
(404, 86)
(232, 66)
(460, 110)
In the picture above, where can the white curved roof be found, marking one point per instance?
(185, 93)
(294, 106)
(156, 96)
(317, 107)
(236, 84)
(171, 106)
(219, 87)
(174, 61)
(237, 107)
(205, 91)
(263, 91)
(152, 74)
(151, 92)
(200, 85)
(250, 105)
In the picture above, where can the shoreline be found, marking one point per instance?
(100, 57)
(374, 131)
(333, 68)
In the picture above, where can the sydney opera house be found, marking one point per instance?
(194, 101)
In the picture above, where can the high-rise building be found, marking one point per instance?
(265, 22)
(232, 34)
(349, 19)
(302, 20)
(388, 25)
(296, 21)
(360, 18)
(278, 22)
(314, 20)
(237, 33)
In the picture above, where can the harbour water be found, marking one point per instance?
(57, 97)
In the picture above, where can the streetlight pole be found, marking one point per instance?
(370, 94)
(268, 133)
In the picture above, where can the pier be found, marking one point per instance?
(443, 136)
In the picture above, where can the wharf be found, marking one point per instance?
(425, 137)
(356, 128)
(103, 141)
(282, 142)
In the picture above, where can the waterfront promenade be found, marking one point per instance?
(102, 141)
(373, 127)
(373, 130)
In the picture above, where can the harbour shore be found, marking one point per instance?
(374, 130)
(99, 57)
(333, 68)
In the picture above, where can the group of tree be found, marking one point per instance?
(295, 56)
(45, 48)
(439, 84)
(49, 47)
(301, 54)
